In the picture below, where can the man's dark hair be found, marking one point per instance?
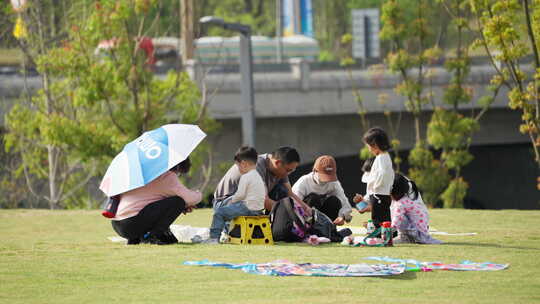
(246, 153)
(182, 167)
(287, 155)
(377, 136)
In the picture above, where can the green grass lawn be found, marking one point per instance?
(65, 257)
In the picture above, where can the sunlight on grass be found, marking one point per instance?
(65, 257)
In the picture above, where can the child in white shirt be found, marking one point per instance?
(380, 177)
(248, 200)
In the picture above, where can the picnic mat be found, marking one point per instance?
(428, 266)
(287, 268)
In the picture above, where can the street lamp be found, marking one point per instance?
(246, 84)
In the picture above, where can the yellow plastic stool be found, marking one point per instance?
(253, 230)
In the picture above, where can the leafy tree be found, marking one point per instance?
(450, 130)
(509, 31)
(393, 123)
(441, 35)
(346, 61)
(12, 183)
(409, 56)
(90, 106)
(40, 158)
(331, 20)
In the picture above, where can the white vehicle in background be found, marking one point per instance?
(164, 52)
(223, 50)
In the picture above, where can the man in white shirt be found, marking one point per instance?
(322, 189)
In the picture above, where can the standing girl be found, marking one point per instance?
(380, 178)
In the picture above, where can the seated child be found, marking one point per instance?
(409, 213)
(248, 200)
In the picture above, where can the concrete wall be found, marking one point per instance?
(341, 135)
(328, 102)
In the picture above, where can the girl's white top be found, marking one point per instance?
(381, 176)
(365, 180)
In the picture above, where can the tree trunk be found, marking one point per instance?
(52, 152)
(186, 33)
(417, 129)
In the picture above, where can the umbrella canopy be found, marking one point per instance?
(149, 156)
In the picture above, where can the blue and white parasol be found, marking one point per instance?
(149, 156)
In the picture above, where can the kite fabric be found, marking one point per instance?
(428, 266)
(287, 268)
(396, 267)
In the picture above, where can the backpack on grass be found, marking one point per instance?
(291, 224)
(288, 221)
(323, 226)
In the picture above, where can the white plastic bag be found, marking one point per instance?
(185, 233)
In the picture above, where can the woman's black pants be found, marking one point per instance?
(154, 218)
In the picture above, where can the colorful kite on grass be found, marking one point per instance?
(396, 267)
(428, 266)
(287, 268)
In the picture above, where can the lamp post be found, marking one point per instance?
(246, 84)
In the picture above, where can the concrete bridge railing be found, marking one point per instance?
(316, 110)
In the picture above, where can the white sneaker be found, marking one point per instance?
(210, 242)
(224, 238)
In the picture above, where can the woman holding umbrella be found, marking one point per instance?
(145, 214)
(144, 177)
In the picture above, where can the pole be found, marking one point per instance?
(367, 38)
(246, 87)
(279, 31)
